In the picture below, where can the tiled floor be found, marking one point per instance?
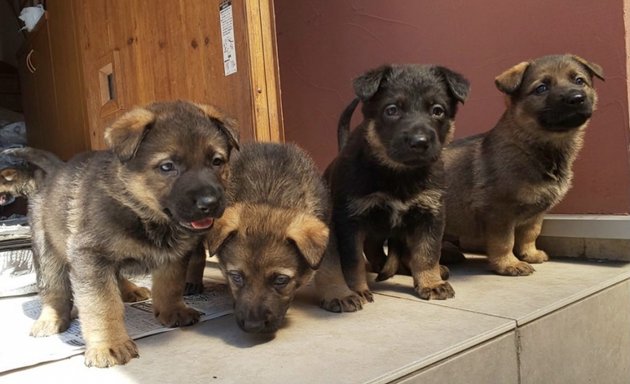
(567, 323)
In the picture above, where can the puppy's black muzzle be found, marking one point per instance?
(566, 110)
(416, 146)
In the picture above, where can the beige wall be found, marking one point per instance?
(323, 44)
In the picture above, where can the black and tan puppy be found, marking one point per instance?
(144, 204)
(387, 181)
(274, 237)
(26, 178)
(501, 183)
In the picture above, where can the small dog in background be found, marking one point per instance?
(25, 176)
(274, 236)
(502, 182)
(144, 204)
(387, 181)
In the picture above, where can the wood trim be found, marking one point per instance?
(264, 74)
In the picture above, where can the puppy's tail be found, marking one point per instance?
(44, 160)
(343, 128)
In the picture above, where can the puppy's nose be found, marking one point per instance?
(207, 204)
(575, 98)
(420, 141)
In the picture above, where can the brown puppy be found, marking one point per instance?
(274, 236)
(387, 182)
(144, 204)
(26, 178)
(501, 183)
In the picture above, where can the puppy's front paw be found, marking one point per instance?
(519, 268)
(535, 257)
(178, 316)
(441, 291)
(350, 303)
(103, 355)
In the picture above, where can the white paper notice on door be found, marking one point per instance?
(227, 37)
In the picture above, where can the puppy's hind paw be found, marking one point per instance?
(351, 303)
(535, 257)
(178, 317)
(520, 268)
(441, 291)
(136, 294)
(49, 326)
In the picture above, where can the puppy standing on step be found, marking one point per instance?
(502, 182)
(387, 181)
(144, 204)
(274, 236)
(27, 179)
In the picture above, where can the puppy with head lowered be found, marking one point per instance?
(387, 181)
(144, 204)
(274, 237)
(502, 182)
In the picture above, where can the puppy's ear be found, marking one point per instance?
(310, 236)
(366, 85)
(509, 81)
(224, 228)
(226, 124)
(457, 84)
(125, 134)
(8, 174)
(592, 68)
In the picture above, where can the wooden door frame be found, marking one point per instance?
(264, 72)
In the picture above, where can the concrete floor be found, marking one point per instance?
(567, 323)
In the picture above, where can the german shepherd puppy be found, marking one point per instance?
(144, 204)
(387, 181)
(274, 235)
(26, 178)
(502, 182)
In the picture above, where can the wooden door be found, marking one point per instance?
(173, 49)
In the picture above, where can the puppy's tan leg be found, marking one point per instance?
(394, 255)
(424, 264)
(132, 293)
(101, 312)
(391, 266)
(525, 241)
(168, 291)
(499, 245)
(335, 296)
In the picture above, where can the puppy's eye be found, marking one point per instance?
(218, 161)
(236, 278)
(579, 80)
(437, 111)
(167, 167)
(542, 88)
(392, 110)
(281, 281)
